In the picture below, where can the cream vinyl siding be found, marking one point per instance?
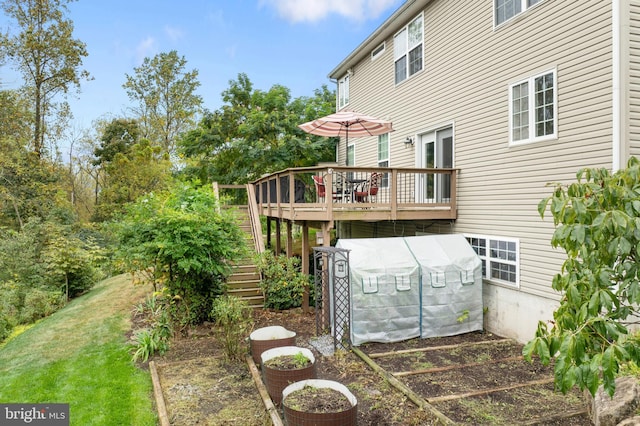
(468, 68)
(634, 77)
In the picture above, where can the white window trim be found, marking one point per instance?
(379, 50)
(524, 9)
(344, 84)
(486, 259)
(406, 27)
(385, 182)
(532, 137)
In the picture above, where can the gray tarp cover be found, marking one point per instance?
(406, 287)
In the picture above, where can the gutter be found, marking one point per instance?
(616, 80)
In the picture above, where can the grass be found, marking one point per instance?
(79, 356)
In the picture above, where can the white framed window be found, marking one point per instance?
(351, 155)
(383, 157)
(343, 92)
(533, 109)
(407, 50)
(378, 51)
(504, 10)
(500, 258)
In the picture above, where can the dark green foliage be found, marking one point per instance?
(6, 326)
(256, 132)
(183, 242)
(282, 282)
(597, 223)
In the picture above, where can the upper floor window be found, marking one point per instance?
(343, 92)
(383, 157)
(533, 108)
(507, 9)
(407, 50)
(500, 258)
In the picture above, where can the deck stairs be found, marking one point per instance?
(244, 281)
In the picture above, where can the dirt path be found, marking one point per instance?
(457, 379)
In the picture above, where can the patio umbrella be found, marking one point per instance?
(347, 123)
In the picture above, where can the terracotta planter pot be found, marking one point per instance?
(276, 380)
(270, 337)
(295, 417)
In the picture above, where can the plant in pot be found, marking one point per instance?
(315, 401)
(285, 365)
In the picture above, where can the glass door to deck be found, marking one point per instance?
(436, 152)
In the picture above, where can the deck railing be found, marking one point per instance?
(347, 193)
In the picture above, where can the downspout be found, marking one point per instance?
(617, 94)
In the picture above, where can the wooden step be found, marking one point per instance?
(249, 275)
(246, 293)
(243, 284)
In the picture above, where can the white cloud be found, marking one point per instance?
(174, 34)
(317, 10)
(146, 48)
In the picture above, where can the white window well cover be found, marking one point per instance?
(427, 286)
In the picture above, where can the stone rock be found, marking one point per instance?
(632, 421)
(606, 411)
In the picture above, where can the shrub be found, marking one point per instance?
(597, 220)
(39, 303)
(233, 318)
(282, 282)
(187, 244)
(148, 342)
(6, 326)
(156, 338)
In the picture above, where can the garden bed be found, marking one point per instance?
(201, 389)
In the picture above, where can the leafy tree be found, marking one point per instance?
(597, 223)
(14, 116)
(166, 97)
(117, 138)
(182, 240)
(29, 186)
(256, 132)
(72, 260)
(48, 57)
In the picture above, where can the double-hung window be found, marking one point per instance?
(533, 109)
(500, 258)
(407, 50)
(507, 9)
(343, 92)
(383, 157)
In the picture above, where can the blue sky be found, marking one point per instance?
(295, 43)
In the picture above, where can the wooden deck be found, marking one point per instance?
(403, 194)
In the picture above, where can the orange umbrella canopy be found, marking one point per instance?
(347, 123)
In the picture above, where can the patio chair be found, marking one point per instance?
(369, 189)
(321, 189)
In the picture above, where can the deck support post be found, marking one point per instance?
(305, 264)
(278, 236)
(289, 248)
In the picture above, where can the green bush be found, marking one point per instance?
(6, 326)
(282, 282)
(186, 244)
(233, 318)
(40, 303)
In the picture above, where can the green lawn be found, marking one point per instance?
(79, 356)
